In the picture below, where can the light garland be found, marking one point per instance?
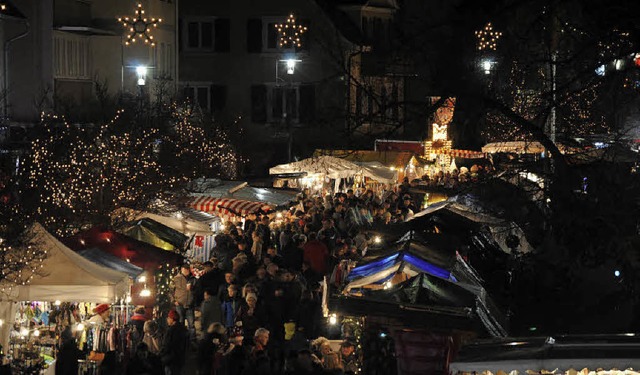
(78, 175)
(290, 32)
(139, 27)
(488, 38)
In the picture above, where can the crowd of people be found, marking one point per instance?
(256, 307)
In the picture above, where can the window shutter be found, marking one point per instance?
(259, 103)
(223, 35)
(218, 97)
(180, 35)
(254, 35)
(277, 102)
(307, 103)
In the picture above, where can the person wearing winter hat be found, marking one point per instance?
(101, 314)
(251, 315)
(174, 345)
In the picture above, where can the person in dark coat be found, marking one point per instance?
(210, 310)
(68, 355)
(138, 318)
(210, 279)
(174, 345)
(144, 362)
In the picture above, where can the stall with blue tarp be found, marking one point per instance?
(107, 260)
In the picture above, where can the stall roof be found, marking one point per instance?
(387, 158)
(124, 247)
(68, 276)
(241, 191)
(334, 167)
(107, 260)
(536, 355)
(157, 234)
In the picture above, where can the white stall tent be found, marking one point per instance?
(65, 276)
(336, 168)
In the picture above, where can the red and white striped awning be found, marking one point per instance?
(226, 206)
(467, 154)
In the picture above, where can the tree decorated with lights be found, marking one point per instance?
(75, 176)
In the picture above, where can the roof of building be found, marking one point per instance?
(342, 22)
(387, 158)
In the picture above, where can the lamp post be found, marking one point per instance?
(290, 37)
(290, 64)
(138, 27)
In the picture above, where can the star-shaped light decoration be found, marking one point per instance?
(139, 27)
(488, 38)
(3, 6)
(290, 32)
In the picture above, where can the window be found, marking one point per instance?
(163, 60)
(71, 56)
(206, 96)
(197, 95)
(206, 34)
(275, 103)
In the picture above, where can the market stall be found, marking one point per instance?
(403, 162)
(64, 276)
(321, 169)
(157, 234)
(232, 201)
(562, 355)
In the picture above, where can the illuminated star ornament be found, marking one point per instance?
(3, 6)
(488, 38)
(139, 27)
(290, 32)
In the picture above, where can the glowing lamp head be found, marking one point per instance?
(145, 293)
(142, 279)
(617, 273)
(141, 71)
(377, 239)
(333, 320)
(291, 66)
(80, 327)
(36, 333)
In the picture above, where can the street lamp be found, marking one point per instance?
(487, 65)
(291, 65)
(141, 70)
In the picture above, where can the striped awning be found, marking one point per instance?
(467, 154)
(226, 206)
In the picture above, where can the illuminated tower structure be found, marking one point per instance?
(439, 147)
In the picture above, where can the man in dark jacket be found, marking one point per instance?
(67, 361)
(210, 279)
(210, 310)
(174, 345)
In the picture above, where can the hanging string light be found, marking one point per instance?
(488, 38)
(139, 27)
(290, 33)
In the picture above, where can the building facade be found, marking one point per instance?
(232, 65)
(59, 52)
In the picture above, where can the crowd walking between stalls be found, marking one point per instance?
(255, 307)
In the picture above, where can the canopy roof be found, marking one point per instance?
(157, 234)
(441, 278)
(453, 214)
(559, 355)
(225, 197)
(387, 158)
(112, 262)
(67, 276)
(334, 167)
(425, 289)
(123, 247)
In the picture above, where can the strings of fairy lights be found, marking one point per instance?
(488, 38)
(81, 173)
(290, 32)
